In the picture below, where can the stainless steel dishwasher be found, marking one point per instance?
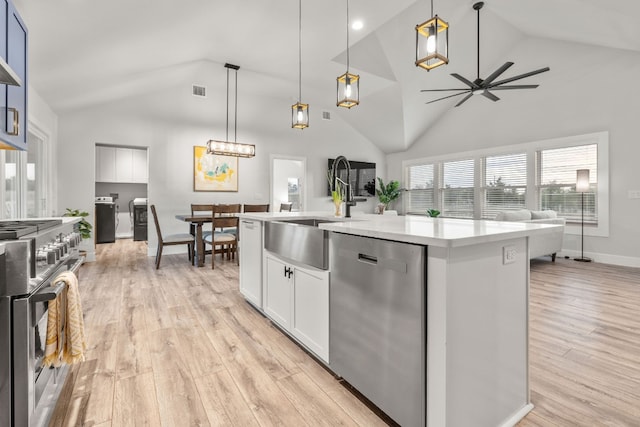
(377, 322)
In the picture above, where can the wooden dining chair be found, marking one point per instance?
(285, 207)
(231, 210)
(224, 217)
(200, 209)
(170, 240)
(255, 208)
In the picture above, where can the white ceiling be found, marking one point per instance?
(86, 52)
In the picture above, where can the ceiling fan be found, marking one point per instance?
(486, 86)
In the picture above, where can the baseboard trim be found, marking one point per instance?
(625, 261)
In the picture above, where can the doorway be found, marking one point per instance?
(288, 182)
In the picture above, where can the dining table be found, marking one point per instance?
(197, 221)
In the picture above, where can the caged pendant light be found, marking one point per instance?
(228, 148)
(432, 43)
(300, 111)
(348, 84)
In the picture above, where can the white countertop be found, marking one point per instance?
(444, 232)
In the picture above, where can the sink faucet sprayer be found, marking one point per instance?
(349, 196)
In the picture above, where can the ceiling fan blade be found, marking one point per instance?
(465, 81)
(514, 87)
(440, 90)
(496, 73)
(489, 95)
(521, 76)
(464, 99)
(445, 97)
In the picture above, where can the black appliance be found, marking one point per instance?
(140, 219)
(105, 222)
(32, 254)
(363, 177)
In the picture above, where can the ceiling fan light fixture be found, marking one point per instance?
(432, 43)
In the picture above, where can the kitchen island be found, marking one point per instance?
(475, 313)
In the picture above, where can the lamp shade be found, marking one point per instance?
(348, 90)
(582, 180)
(432, 43)
(227, 148)
(300, 116)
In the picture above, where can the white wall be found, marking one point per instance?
(283, 169)
(171, 121)
(588, 89)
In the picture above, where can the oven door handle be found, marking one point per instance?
(74, 268)
(49, 293)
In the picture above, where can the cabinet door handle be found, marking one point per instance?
(16, 121)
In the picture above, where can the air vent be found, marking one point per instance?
(326, 115)
(199, 91)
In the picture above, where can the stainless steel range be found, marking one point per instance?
(32, 254)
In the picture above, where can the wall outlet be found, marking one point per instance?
(509, 254)
(634, 194)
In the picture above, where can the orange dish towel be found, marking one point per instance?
(74, 344)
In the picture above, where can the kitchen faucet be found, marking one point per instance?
(349, 196)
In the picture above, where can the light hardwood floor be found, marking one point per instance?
(180, 347)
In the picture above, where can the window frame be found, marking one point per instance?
(532, 191)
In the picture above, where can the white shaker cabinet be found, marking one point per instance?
(121, 164)
(251, 261)
(105, 164)
(297, 299)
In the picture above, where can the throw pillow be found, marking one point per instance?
(519, 215)
(543, 214)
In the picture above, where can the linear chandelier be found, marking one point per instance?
(432, 43)
(300, 111)
(228, 148)
(348, 84)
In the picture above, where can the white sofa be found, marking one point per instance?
(548, 244)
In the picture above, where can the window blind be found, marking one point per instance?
(505, 183)
(557, 181)
(458, 188)
(421, 191)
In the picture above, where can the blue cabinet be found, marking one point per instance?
(13, 99)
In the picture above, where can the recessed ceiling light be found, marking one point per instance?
(357, 24)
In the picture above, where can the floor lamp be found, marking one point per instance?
(582, 185)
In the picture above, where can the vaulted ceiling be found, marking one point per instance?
(84, 53)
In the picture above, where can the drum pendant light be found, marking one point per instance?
(348, 84)
(432, 43)
(299, 111)
(227, 148)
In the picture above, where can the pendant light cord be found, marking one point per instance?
(299, 50)
(227, 137)
(235, 113)
(432, 9)
(347, 36)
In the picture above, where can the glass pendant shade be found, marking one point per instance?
(226, 148)
(300, 116)
(348, 90)
(432, 43)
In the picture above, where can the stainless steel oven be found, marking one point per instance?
(29, 265)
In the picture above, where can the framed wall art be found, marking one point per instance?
(212, 172)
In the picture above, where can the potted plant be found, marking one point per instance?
(387, 193)
(433, 213)
(84, 226)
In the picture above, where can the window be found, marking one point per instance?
(537, 175)
(24, 191)
(557, 181)
(504, 183)
(421, 196)
(458, 188)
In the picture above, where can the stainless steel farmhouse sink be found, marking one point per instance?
(299, 240)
